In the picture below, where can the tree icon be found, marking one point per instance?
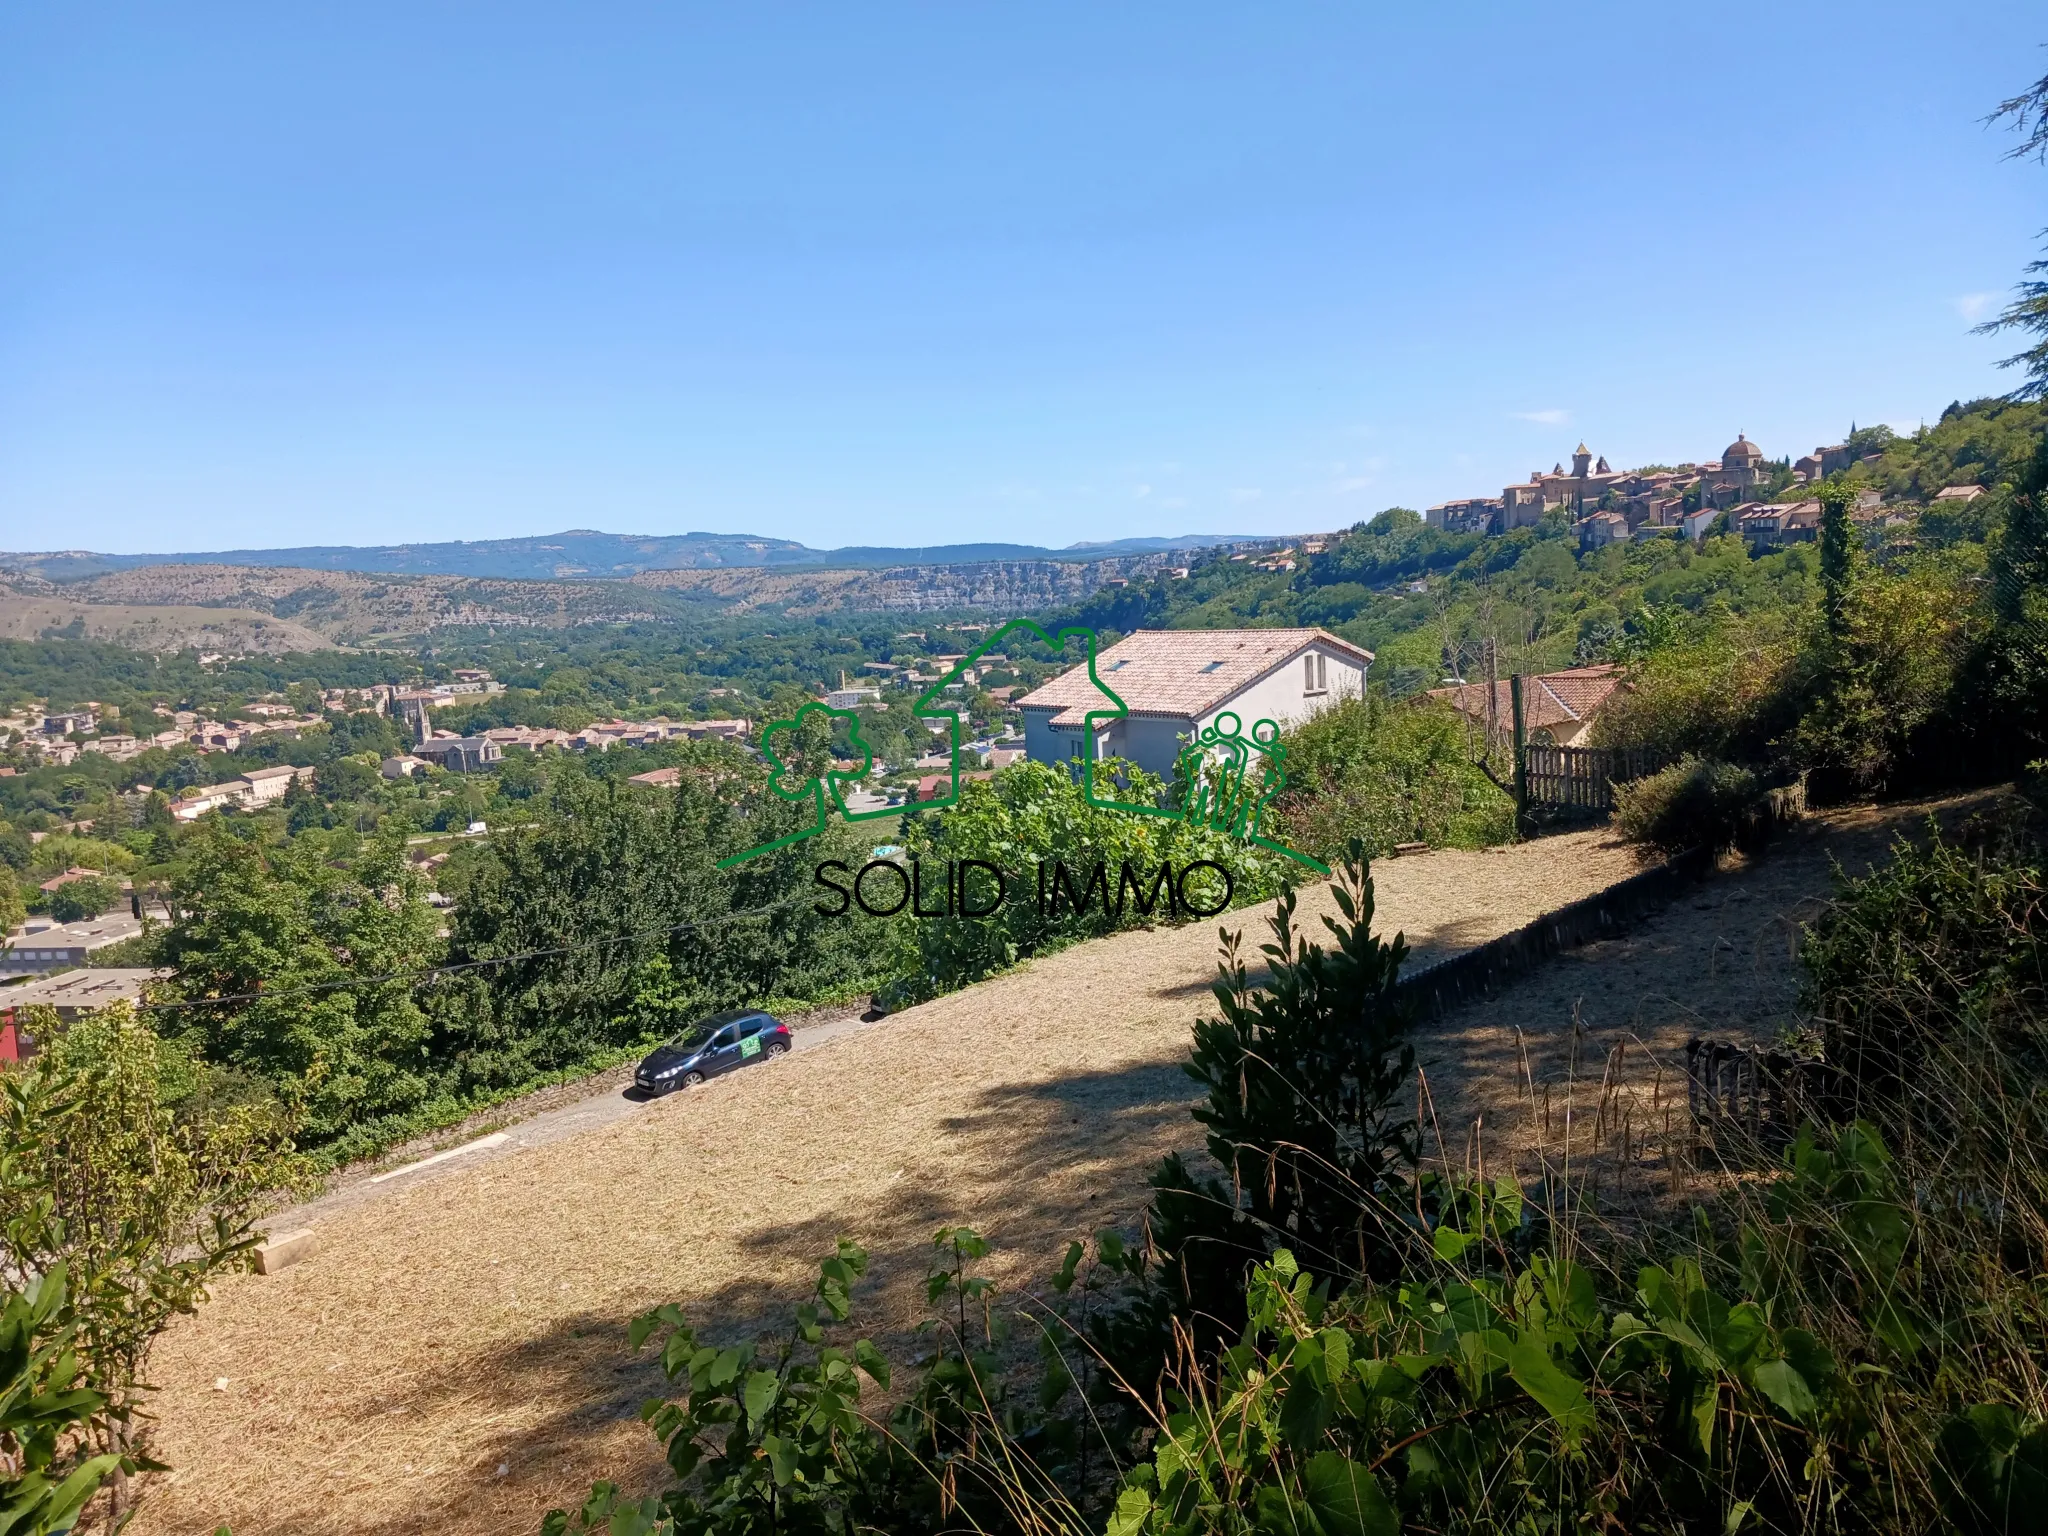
(803, 764)
(1228, 780)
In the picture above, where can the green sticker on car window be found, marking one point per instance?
(751, 1046)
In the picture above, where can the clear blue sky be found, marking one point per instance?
(919, 274)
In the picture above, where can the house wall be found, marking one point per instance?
(30, 958)
(271, 787)
(1043, 744)
(1281, 696)
(1154, 741)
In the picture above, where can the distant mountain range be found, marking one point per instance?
(586, 554)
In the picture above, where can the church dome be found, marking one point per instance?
(1741, 448)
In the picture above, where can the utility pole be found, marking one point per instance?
(1521, 759)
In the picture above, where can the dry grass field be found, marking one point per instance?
(455, 1359)
(1721, 962)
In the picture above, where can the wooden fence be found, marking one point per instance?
(1583, 778)
(1751, 1094)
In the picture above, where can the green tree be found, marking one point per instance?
(2028, 311)
(305, 973)
(86, 897)
(122, 1166)
(1837, 554)
(610, 918)
(2017, 647)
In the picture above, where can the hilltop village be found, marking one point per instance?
(1607, 506)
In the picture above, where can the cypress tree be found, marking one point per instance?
(1835, 499)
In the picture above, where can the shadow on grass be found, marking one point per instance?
(1031, 1166)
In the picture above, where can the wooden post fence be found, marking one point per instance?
(1580, 778)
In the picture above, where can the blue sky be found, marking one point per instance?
(922, 274)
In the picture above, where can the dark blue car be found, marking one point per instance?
(721, 1043)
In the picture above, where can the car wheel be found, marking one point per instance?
(692, 1080)
(775, 1050)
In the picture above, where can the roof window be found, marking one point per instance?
(1214, 666)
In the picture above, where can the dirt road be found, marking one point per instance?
(455, 1359)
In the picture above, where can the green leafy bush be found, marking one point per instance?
(1694, 803)
(1725, 689)
(138, 1174)
(1034, 816)
(773, 1436)
(76, 901)
(1946, 943)
(1384, 774)
(47, 1471)
(1304, 1117)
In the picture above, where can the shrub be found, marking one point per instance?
(1695, 803)
(1306, 1112)
(46, 1472)
(123, 1167)
(1729, 690)
(86, 897)
(1386, 774)
(1945, 942)
(1033, 816)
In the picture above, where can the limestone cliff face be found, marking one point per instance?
(1005, 587)
(305, 607)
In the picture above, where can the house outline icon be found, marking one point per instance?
(926, 707)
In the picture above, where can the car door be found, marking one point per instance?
(748, 1050)
(722, 1054)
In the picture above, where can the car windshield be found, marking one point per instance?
(703, 1029)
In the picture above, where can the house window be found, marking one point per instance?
(1315, 673)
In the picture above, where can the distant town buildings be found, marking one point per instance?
(245, 791)
(42, 945)
(459, 754)
(1607, 505)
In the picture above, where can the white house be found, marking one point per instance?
(268, 784)
(1173, 682)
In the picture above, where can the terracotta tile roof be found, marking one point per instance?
(933, 785)
(1179, 673)
(1551, 699)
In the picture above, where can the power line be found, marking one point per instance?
(471, 965)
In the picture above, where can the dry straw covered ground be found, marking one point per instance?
(455, 1359)
(1588, 1052)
